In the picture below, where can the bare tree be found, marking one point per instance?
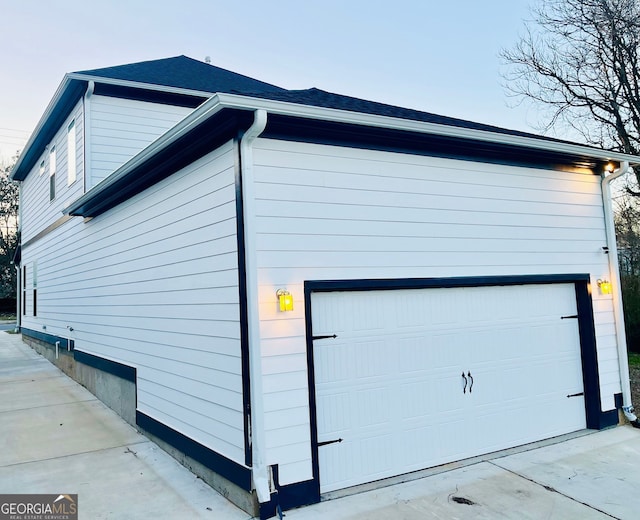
(578, 59)
(8, 201)
(627, 222)
(8, 230)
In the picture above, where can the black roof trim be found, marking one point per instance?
(416, 143)
(70, 96)
(152, 96)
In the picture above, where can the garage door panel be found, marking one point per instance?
(370, 356)
(412, 309)
(391, 383)
(334, 413)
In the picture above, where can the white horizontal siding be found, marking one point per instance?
(153, 284)
(38, 211)
(335, 213)
(120, 128)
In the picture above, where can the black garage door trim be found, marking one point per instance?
(595, 418)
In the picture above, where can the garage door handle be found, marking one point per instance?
(471, 385)
(464, 390)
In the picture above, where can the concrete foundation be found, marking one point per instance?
(245, 500)
(117, 393)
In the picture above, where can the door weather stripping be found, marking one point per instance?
(324, 443)
(332, 336)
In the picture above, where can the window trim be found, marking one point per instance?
(72, 167)
(52, 174)
(24, 290)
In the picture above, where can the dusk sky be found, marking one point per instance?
(436, 56)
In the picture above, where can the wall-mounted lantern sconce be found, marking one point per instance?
(285, 299)
(605, 286)
(609, 167)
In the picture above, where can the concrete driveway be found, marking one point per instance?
(7, 325)
(593, 476)
(56, 437)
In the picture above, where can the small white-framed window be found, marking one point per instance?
(52, 173)
(41, 171)
(71, 153)
(34, 278)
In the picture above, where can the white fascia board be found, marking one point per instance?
(345, 116)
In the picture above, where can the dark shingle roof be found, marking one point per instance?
(187, 73)
(320, 98)
(184, 72)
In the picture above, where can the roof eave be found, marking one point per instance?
(66, 94)
(140, 85)
(359, 118)
(91, 203)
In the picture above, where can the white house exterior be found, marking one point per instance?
(444, 277)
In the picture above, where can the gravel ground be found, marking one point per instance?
(634, 376)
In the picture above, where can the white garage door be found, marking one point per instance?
(417, 378)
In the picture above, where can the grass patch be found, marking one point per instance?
(634, 359)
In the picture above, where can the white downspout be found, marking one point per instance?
(614, 273)
(18, 298)
(18, 267)
(259, 468)
(87, 183)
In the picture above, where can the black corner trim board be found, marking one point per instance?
(611, 418)
(617, 398)
(242, 292)
(288, 496)
(232, 471)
